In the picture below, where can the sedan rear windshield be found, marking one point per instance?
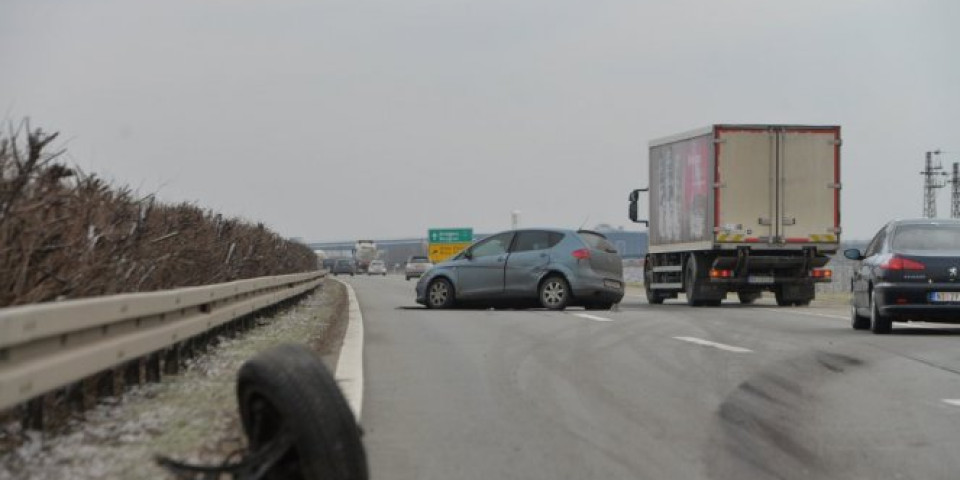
(597, 241)
(927, 238)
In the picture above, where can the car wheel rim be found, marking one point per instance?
(438, 293)
(553, 293)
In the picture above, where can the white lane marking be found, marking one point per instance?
(593, 317)
(708, 343)
(933, 326)
(809, 314)
(952, 401)
(349, 373)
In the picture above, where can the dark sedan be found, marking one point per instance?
(910, 271)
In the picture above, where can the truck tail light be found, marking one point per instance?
(899, 263)
(581, 254)
(821, 273)
(717, 273)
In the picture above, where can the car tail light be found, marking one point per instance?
(716, 273)
(900, 263)
(821, 273)
(581, 254)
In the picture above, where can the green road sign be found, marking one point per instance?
(451, 235)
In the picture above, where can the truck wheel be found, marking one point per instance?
(782, 301)
(748, 298)
(286, 394)
(690, 282)
(554, 293)
(881, 324)
(440, 294)
(857, 321)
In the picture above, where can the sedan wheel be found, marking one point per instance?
(554, 293)
(857, 321)
(439, 294)
(882, 324)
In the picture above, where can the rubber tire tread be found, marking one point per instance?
(293, 379)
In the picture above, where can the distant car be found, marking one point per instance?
(328, 263)
(377, 267)
(344, 266)
(555, 267)
(909, 271)
(416, 266)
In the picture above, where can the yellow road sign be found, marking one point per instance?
(442, 251)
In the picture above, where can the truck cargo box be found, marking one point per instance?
(764, 186)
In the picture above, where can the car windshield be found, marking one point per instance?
(927, 239)
(419, 260)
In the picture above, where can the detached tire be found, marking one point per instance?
(287, 391)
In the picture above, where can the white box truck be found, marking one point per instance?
(741, 208)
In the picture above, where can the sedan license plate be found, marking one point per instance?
(612, 284)
(945, 296)
(760, 279)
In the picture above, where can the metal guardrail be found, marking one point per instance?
(47, 346)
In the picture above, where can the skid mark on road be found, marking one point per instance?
(708, 343)
(593, 317)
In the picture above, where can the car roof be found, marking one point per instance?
(925, 221)
(539, 229)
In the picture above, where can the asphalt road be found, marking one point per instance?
(655, 392)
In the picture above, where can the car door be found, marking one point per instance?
(529, 257)
(480, 274)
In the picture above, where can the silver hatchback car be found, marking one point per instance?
(557, 268)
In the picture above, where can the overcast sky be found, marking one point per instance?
(336, 120)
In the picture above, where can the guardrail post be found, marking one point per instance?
(171, 361)
(153, 368)
(33, 418)
(76, 397)
(132, 374)
(107, 384)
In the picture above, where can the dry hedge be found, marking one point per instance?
(66, 234)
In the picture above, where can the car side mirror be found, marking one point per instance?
(853, 254)
(468, 254)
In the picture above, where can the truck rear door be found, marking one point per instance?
(809, 185)
(745, 202)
